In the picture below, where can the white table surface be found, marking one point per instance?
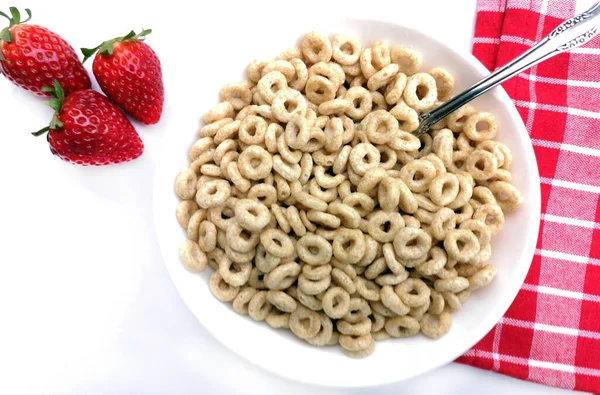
(86, 305)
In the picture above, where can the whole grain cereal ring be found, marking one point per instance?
(274, 130)
(418, 175)
(413, 292)
(390, 259)
(305, 323)
(185, 210)
(313, 287)
(344, 190)
(420, 92)
(270, 84)
(211, 129)
(444, 189)
(257, 99)
(297, 132)
(283, 276)
(479, 229)
(200, 146)
(384, 225)
(442, 145)
(361, 202)
(316, 48)
(452, 301)
(218, 112)
(379, 308)
(320, 89)
(263, 193)
(391, 279)
(278, 319)
(368, 289)
(382, 77)
(482, 195)
(349, 245)
(284, 150)
(392, 301)
(252, 215)
(377, 322)
(434, 326)
(352, 70)
(482, 278)
(264, 261)
(298, 82)
(237, 94)
(381, 55)
(388, 194)
(234, 174)
(370, 181)
(507, 196)
(324, 219)
(363, 157)
(229, 157)
(323, 337)
(461, 244)
(259, 307)
(314, 249)
(309, 225)
(359, 80)
(465, 191)
(366, 63)
(207, 236)
(407, 59)
(192, 257)
(185, 184)
(236, 256)
(375, 269)
(436, 260)
(343, 280)
(287, 103)
(316, 273)
(463, 143)
(444, 82)
(277, 243)
(481, 126)
(240, 239)
(437, 304)
(372, 251)
(411, 243)
(491, 215)
(381, 127)
(193, 228)
(408, 118)
(356, 343)
(345, 50)
(359, 310)
(482, 165)
(255, 163)
(282, 301)
(359, 328)
(327, 195)
(214, 257)
(309, 301)
(394, 88)
(334, 130)
(326, 180)
(220, 289)
(289, 171)
(389, 158)
(254, 70)
(457, 119)
(492, 147)
(335, 106)
(454, 285)
(411, 222)
(361, 100)
(402, 326)
(210, 170)
(443, 221)
(223, 148)
(252, 130)
(281, 65)
(205, 157)
(242, 300)
(213, 193)
(234, 274)
(349, 217)
(379, 103)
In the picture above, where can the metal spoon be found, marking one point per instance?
(568, 35)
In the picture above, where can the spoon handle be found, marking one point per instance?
(568, 35)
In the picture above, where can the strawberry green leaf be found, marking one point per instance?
(107, 47)
(41, 131)
(6, 35)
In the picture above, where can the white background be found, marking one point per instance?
(86, 304)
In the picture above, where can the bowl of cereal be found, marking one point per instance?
(311, 233)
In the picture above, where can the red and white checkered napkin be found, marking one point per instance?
(551, 333)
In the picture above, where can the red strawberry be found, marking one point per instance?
(32, 57)
(129, 73)
(87, 129)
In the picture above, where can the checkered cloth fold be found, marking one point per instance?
(551, 333)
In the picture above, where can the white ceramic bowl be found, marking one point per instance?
(277, 350)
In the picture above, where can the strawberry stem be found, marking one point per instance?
(13, 19)
(107, 47)
(56, 104)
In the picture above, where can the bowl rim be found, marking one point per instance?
(501, 307)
